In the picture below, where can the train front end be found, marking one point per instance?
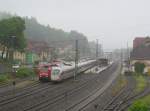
(45, 73)
(56, 74)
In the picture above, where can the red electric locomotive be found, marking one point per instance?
(45, 72)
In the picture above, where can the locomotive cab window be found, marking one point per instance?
(44, 68)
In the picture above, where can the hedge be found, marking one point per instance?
(24, 72)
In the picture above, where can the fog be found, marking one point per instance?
(113, 22)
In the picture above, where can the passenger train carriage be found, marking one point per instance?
(58, 71)
(64, 72)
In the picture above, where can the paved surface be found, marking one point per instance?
(3, 68)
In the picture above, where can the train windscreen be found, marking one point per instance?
(44, 68)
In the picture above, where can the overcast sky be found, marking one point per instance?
(113, 22)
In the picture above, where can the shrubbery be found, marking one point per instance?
(139, 106)
(139, 67)
(24, 72)
(21, 73)
(4, 78)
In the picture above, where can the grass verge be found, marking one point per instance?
(20, 74)
(121, 82)
(25, 72)
(140, 83)
(4, 78)
(142, 104)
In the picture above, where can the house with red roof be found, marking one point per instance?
(141, 52)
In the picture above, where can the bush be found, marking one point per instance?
(36, 62)
(24, 72)
(4, 78)
(139, 67)
(139, 106)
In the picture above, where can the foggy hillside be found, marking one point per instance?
(55, 37)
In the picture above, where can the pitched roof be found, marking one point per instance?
(141, 53)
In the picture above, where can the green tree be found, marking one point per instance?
(139, 67)
(55, 37)
(12, 35)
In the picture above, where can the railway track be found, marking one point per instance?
(25, 94)
(22, 96)
(120, 102)
(34, 90)
(25, 91)
(121, 97)
(83, 103)
(128, 101)
(106, 99)
(52, 101)
(10, 92)
(8, 89)
(49, 102)
(53, 98)
(2, 85)
(124, 99)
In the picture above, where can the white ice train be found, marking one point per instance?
(67, 71)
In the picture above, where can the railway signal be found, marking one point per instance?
(14, 85)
